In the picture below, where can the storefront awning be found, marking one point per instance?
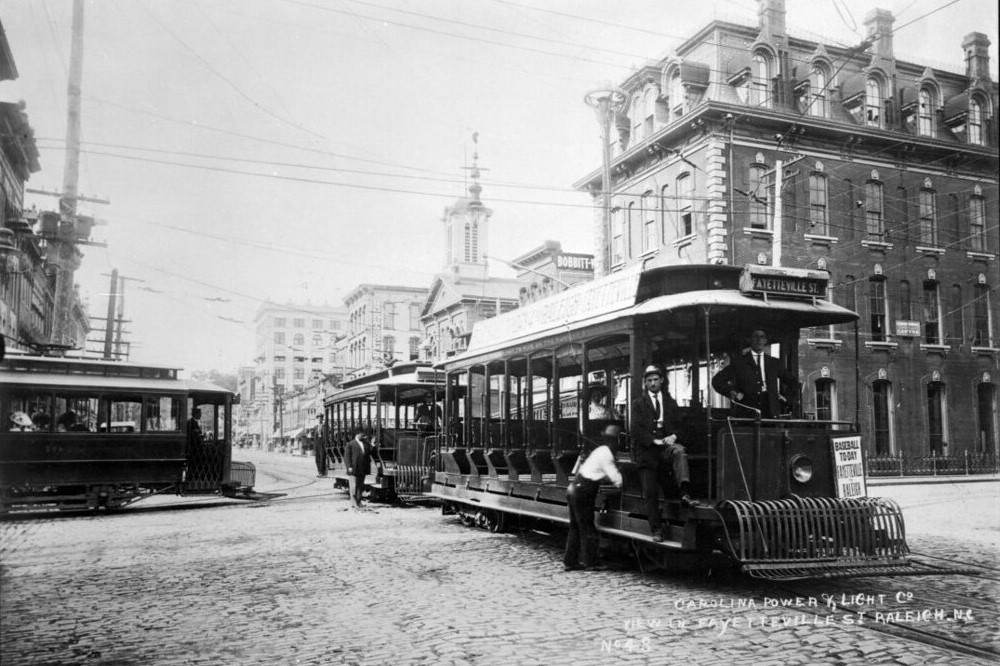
(292, 434)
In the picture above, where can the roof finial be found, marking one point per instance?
(475, 189)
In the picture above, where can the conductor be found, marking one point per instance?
(757, 381)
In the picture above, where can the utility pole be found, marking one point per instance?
(606, 102)
(67, 256)
(108, 336)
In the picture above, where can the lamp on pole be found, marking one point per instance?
(606, 102)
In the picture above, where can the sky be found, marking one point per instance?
(289, 150)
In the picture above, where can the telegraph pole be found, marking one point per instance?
(112, 298)
(67, 256)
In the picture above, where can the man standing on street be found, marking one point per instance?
(581, 495)
(358, 460)
(654, 417)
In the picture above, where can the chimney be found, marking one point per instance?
(771, 16)
(977, 56)
(879, 24)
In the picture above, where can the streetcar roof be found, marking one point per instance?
(630, 293)
(411, 385)
(793, 313)
(44, 380)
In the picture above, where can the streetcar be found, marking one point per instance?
(85, 434)
(400, 407)
(781, 498)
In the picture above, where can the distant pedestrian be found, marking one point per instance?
(581, 496)
(358, 460)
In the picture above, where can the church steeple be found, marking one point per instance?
(466, 224)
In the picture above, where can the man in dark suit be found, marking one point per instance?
(654, 417)
(752, 379)
(357, 460)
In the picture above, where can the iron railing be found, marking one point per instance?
(933, 465)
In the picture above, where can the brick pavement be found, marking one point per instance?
(303, 580)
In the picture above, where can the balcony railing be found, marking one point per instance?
(933, 465)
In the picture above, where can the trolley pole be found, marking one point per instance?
(606, 101)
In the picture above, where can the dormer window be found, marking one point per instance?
(818, 81)
(676, 93)
(760, 78)
(975, 122)
(873, 102)
(925, 112)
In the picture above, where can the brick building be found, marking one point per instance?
(880, 171)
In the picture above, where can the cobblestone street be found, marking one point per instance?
(304, 580)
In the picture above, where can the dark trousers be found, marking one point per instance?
(357, 488)
(655, 478)
(581, 542)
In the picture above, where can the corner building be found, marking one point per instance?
(751, 145)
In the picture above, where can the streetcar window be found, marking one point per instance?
(517, 402)
(77, 413)
(607, 381)
(28, 412)
(567, 403)
(540, 368)
(163, 414)
(125, 414)
(477, 405)
(498, 405)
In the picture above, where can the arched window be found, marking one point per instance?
(758, 197)
(977, 223)
(873, 102)
(298, 340)
(676, 93)
(882, 422)
(874, 220)
(976, 121)
(826, 399)
(986, 413)
(925, 112)
(818, 81)
(936, 415)
(928, 217)
(760, 78)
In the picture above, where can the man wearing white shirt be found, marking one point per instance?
(581, 495)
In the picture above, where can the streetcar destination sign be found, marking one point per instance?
(795, 282)
(849, 467)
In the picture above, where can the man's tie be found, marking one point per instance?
(656, 407)
(760, 371)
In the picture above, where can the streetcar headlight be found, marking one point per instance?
(802, 469)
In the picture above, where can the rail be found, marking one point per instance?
(932, 465)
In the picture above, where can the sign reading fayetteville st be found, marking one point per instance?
(787, 282)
